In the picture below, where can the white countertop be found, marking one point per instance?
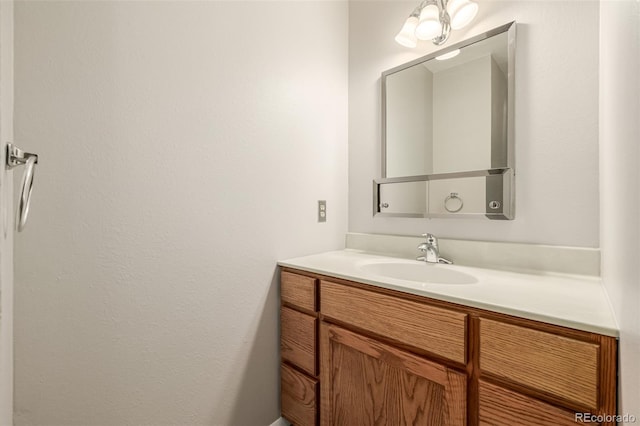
(571, 301)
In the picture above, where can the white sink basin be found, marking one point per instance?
(420, 272)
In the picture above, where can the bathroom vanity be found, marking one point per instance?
(378, 340)
(360, 349)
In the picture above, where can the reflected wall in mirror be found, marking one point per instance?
(452, 116)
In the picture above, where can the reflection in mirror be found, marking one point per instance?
(449, 115)
(405, 198)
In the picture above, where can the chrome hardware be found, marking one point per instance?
(448, 205)
(431, 251)
(494, 204)
(384, 205)
(430, 248)
(17, 157)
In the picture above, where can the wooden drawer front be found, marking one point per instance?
(436, 330)
(298, 290)
(557, 365)
(299, 397)
(501, 407)
(298, 339)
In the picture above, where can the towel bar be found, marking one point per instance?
(17, 157)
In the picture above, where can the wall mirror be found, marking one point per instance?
(447, 122)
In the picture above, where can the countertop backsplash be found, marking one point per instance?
(517, 257)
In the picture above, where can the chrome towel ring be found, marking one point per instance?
(17, 157)
(453, 203)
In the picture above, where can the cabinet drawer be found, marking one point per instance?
(502, 407)
(298, 339)
(298, 290)
(299, 397)
(557, 365)
(439, 331)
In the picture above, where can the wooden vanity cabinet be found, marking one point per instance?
(355, 354)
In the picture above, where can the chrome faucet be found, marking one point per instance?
(431, 251)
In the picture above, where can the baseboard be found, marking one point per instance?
(280, 422)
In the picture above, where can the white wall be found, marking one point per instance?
(556, 119)
(183, 146)
(6, 215)
(620, 182)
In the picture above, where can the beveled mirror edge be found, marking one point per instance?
(505, 28)
(511, 120)
(444, 176)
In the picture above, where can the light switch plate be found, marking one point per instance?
(322, 210)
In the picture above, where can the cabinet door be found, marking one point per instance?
(366, 382)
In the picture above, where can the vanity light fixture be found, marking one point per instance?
(434, 19)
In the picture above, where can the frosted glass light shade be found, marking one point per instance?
(407, 35)
(429, 26)
(461, 12)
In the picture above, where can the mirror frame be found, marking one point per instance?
(508, 172)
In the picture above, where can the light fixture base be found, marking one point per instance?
(446, 32)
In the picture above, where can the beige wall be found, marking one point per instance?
(183, 148)
(620, 183)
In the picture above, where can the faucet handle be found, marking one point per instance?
(430, 238)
